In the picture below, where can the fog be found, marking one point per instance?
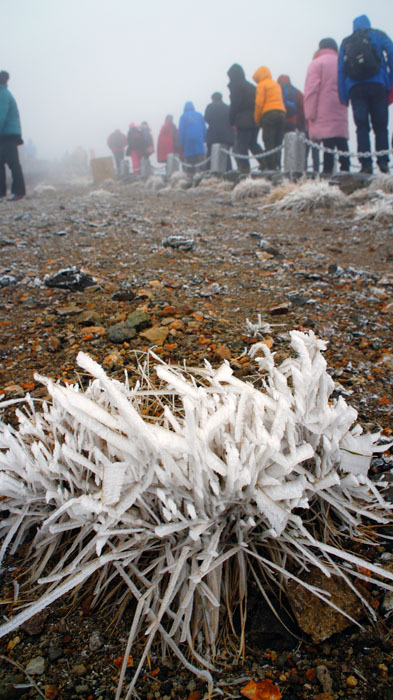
(81, 68)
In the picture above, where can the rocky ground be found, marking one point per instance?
(196, 274)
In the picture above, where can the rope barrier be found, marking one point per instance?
(349, 154)
(258, 156)
(196, 165)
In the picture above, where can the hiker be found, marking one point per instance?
(219, 129)
(192, 134)
(241, 116)
(365, 77)
(326, 117)
(117, 143)
(270, 114)
(10, 139)
(135, 147)
(294, 105)
(168, 140)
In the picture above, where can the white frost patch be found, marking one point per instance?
(44, 189)
(154, 183)
(100, 194)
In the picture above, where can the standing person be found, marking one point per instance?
(168, 139)
(365, 77)
(192, 134)
(294, 105)
(270, 113)
(117, 143)
(327, 118)
(241, 115)
(148, 147)
(10, 139)
(135, 147)
(219, 128)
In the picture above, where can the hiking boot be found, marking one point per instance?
(366, 169)
(384, 168)
(15, 197)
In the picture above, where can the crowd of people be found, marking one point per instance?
(360, 73)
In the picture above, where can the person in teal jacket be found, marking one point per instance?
(10, 139)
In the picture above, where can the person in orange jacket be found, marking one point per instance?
(270, 114)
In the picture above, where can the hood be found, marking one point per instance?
(284, 80)
(361, 22)
(189, 107)
(261, 74)
(236, 72)
(132, 125)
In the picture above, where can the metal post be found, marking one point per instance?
(172, 164)
(294, 152)
(145, 167)
(218, 159)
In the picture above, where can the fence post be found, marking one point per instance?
(172, 164)
(294, 152)
(218, 159)
(145, 167)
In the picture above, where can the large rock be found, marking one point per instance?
(120, 332)
(156, 335)
(316, 618)
(138, 320)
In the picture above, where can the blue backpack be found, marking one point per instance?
(289, 97)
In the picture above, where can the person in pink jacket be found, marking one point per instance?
(327, 118)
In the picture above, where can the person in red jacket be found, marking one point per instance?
(168, 140)
(117, 143)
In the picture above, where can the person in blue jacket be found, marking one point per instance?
(10, 139)
(365, 77)
(192, 135)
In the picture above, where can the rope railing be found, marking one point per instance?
(349, 154)
(258, 156)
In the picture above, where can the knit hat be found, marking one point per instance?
(328, 44)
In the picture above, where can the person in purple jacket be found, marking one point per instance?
(326, 117)
(365, 77)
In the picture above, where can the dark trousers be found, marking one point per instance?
(119, 157)
(246, 140)
(273, 125)
(370, 102)
(9, 156)
(328, 158)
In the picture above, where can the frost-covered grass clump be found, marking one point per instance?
(250, 188)
(381, 182)
(154, 183)
(175, 495)
(379, 209)
(312, 195)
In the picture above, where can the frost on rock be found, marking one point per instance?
(250, 188)
(312, 195)
(186, 491)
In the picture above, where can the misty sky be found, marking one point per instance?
(81, 68)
